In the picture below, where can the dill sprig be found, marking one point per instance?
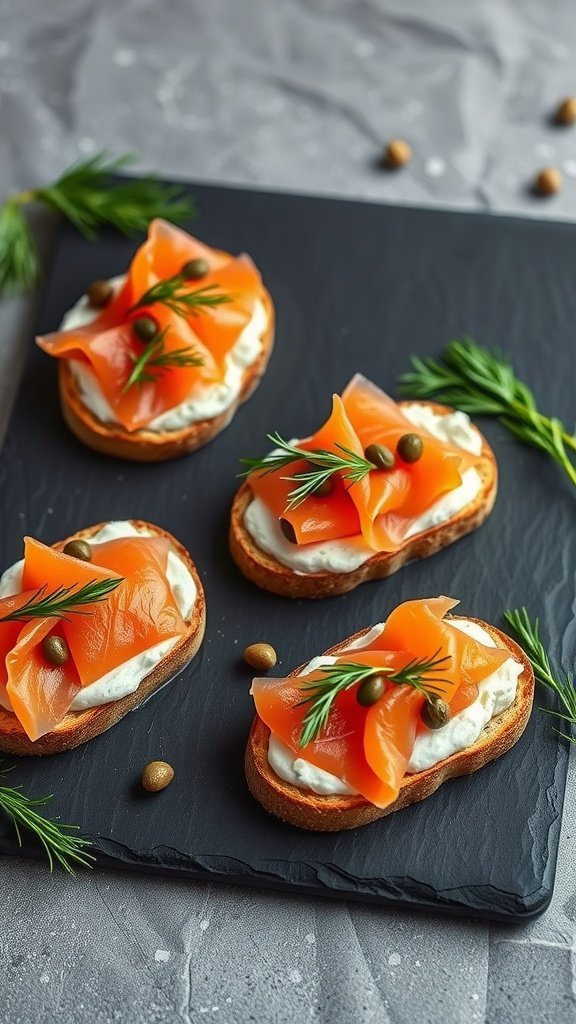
(324, 464)
(481, 382)
(89, 197)
(155, 355)
(63, 601)
(57, 838)
(174, 293)
(564, 688)
(419, 673)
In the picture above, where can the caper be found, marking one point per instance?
(100, 293)
(55, 650)
(78, 549)
(156, 776)
(288, 531)
(380, 456)
(260, 656)
(436, 712)
(145, 328)
(194, 269)
(370, 691)
(410, 447)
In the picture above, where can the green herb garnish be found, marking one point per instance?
(63, 601)
(88, 196)
(174, 293)
(60, 845)
(481, 382)
(155, 355)
(324, 464)
(321, 693)
(528, 635)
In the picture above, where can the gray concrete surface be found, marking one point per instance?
(290, 94)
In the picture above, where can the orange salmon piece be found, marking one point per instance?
(40, 693)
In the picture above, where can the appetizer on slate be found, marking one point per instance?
(89, 628)
(384, 718)
(155, 363)
(379, 484)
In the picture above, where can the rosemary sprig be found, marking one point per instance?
(60, 844)
(564, 688)
(481, 382)
(322, 693)
(63, 601)
(352, 466)
(174, 293)
(88, 196)
(155, 355)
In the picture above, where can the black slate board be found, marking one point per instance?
(357, 287)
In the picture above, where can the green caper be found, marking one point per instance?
(78, 549)
(410, 447)
(194, 269)
(55, 650)
(288, 531)
(380, 456)
(436, 712)
(100, 294)
(145, 328)
(370, 691)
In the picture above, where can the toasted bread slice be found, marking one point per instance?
(80, 726)
(154, 446)
(305, 809)
(270, 574)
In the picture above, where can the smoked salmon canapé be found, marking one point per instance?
(89, 628)
(382, 719)
(154, 364)
(379, 484)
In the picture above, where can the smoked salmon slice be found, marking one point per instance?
(109, 344)
(139, 614)
(370, 747)
(384, 504)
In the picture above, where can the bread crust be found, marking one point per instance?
(267, 572)
(316, 813)
(153, 446)
(80, 726)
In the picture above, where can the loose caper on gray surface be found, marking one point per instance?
(370, 690)
(78, 549)
(410, 447)
(436, 712)
(381, 456)
(55, 650)
(145, 328)
(260, 656)
(156, 776)
(194, 269)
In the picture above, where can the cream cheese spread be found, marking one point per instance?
(347, 554)
(126, 677)
(206, 402)
(495, 693)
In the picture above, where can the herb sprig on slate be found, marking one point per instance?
(62, 846)
(323, 465)
(321, 693)
(63, 601)
(88, 196)
(481, 382)
(563, 686)
(156, 356)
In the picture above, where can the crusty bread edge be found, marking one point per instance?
(153, 446)
(267, 572)
(308, 810)
(80, 726)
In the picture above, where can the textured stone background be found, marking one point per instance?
(291, 94)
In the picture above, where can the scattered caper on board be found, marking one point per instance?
(260, 656)
(156, 776)
(397, 153)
